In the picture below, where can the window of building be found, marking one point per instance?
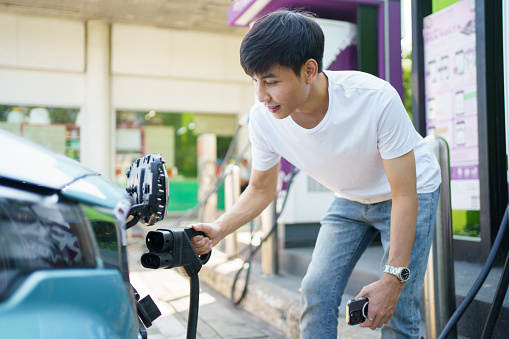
(54, 127)
(174, 136)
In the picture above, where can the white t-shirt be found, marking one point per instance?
(365, 123)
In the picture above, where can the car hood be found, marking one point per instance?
(26, 161)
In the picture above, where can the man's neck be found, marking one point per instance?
(316, 106)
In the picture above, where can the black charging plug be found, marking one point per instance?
(173, 248)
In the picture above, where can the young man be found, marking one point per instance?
(349, 131)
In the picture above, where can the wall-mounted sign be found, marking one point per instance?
(451, 105)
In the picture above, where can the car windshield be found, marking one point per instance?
(39, 234)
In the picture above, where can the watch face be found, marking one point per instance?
(405, 274)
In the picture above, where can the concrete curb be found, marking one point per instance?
(273, 300)
(270, 303)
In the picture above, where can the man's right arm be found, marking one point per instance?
(255, 198)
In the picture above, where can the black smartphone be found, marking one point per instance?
(356, 311)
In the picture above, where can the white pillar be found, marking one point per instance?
(207, 160)
(270, 260)
(231, 195)
(97, 128)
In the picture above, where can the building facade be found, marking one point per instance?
(97, 90)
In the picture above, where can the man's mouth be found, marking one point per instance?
(273, 109)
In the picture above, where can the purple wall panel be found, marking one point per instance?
(396, 78)
(345, 10)
(346, 60)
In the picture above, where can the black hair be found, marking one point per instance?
(289, 38)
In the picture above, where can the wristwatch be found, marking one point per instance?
(402, 273)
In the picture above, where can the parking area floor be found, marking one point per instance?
(218, 318)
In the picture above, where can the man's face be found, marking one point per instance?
(281, 91)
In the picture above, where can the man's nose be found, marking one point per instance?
(262, 94)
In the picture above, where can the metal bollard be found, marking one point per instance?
(439, 285)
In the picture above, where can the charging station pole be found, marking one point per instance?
(439, 285)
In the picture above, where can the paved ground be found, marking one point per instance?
(218, 318)
(274, 299)
(271, 308)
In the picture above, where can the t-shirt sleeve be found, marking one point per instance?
(396, 134)
(263, 156)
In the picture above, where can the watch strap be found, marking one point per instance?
(396, 271)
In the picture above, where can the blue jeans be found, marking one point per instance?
(347, 229)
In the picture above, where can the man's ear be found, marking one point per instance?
(310, 71)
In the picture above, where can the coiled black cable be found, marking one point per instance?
(497, 301)
(478, 283)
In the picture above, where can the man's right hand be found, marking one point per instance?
(203, 244)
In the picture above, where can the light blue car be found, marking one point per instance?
(63, 262)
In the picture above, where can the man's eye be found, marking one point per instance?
(271, 83)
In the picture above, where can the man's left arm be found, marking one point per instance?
(383, 294)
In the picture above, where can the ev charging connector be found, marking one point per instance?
(172, 248)
(147, 185)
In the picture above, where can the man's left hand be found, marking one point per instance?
(383, 297)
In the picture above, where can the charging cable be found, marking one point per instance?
(477, 286)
